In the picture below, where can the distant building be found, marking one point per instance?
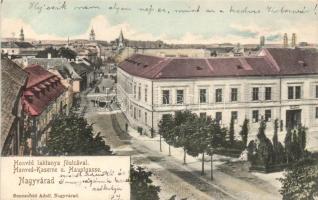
(86, 72)
(285, 41)
(279, 84)
(43, 99)
(294, 40)
(262, 41)
(14, 49)
(92, 35)
(21, 35)
(13, 80)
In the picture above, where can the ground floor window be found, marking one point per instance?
(268, 115)
(218, 117)
(316, 112)
(255, 116)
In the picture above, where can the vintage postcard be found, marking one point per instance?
(159, 99)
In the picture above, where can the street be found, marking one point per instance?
(169, 173)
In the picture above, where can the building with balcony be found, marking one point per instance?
(277, 84)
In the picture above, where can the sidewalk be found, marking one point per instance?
(238, 188)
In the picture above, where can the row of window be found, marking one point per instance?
(218, 95)
(139, 92)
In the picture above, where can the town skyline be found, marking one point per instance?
(186, 28)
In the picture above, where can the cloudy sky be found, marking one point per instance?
(179, 21)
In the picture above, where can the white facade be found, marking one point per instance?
(142, 100)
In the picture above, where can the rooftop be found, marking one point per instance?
(13, 78)
(274, 62)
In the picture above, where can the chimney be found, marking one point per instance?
(49, 56)
(285, 45)
(294, 40)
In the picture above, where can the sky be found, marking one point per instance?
(173, 21)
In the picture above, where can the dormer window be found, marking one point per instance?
(302, 63)
(198, 68)
(239, 67)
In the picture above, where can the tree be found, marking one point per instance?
(231, 131)
(216, 140)
(244, 132)
(183, 120)
(50, 50)
(72, 135)
(288, 145)
(141, 185)
(300, 182)
(265, 147)
(166, 130)
(302, 137)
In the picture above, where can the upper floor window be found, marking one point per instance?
(203, 98)
(233, 94)
(255, 93)
(316, 91)
(139, 92)
(316, 112)
(165, 96)
(255, 116)
(218, 95)
(179, 96)
(297, 92)
(135, 88)
(146, 94)
(294, 92)
(146, 118)
(268, 93)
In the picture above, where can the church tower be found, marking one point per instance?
(92, 35)
(285, 44)
(21, 38)
(121, 40)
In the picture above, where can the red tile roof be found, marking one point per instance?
(41, 89)
(275, 62)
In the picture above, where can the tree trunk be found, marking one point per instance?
(202, 171)
(160, 143)
(169, 150)
(184, 156)
(211, 166)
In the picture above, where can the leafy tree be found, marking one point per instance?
(302, 138)
(66, 53)
(72, 135)
(265, 147)
(141, 185)
(183, 121)
(231, 131)
(45, 52)
(288, 145)
(216, 140)
(166, 129)
(244, 132)
(300, 182)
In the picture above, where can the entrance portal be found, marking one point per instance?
(293, 119)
